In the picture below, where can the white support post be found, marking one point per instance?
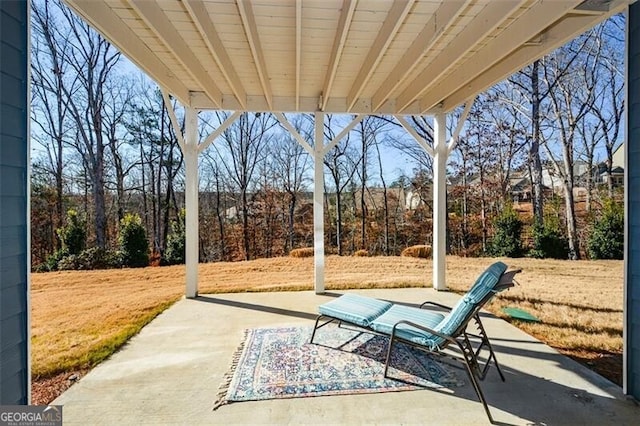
(439, 248)
(191, 201)
(318, 204)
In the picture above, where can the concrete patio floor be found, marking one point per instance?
(170, 373)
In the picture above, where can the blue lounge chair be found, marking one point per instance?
(427, 329)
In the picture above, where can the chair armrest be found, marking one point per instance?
(422, 328)
(440, 305)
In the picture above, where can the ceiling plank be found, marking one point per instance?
(553, 38)
(298, 50)
(251, 31)
(105, 20)
(390, 27)
(494, 14)
(518, 33)
(346, 15)
(151, 13)
(200, 16)
(432, 31)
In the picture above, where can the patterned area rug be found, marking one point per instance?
(281, 363)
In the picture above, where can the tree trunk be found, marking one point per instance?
(534, 151)
(245, 226)
(339, 222)
(291, 222)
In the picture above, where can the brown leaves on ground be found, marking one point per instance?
(76, 314)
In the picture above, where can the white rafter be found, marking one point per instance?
(513, 37)
(553, 38)
(251, 32)
(151, 13)
(200, 16)
(112, 27)
(298, 50)
(390, 27)
(486, 22)
(348, 7)
(433, 29)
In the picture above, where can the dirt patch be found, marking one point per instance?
(44, 391)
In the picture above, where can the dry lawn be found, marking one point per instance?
(80, 318)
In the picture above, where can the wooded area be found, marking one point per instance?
(104, 147)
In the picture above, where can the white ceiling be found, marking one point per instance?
(343, 56)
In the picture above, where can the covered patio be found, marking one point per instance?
(170, 373)
(398, 58)
(401, 58)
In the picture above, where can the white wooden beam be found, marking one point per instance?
(191, 201)
(433, 29)
(253, 38)
(346, 15)
(218, 131)
(553, 38)
(318, 204)
(463, 117)
(343, 133)
(201, 19)
(494, 14)
(391, 25)
(173, 118)
(297, 136)
(103, 18)
(298, 50)
(421, 141)
(439, 246)
(526, 27)
(151, 13)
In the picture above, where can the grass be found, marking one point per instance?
(80, 318)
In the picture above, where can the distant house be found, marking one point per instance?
(617, 168)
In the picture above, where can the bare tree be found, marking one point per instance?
(244, 144)
(608, 105)
(292, 165)
(342, 162)
(368, 130)
(571, 99)
(86, 63)
(50, 106)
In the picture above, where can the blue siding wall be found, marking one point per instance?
(14, 112)
(632, 311)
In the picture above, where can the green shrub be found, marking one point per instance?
(51, 262)
(548, 241)
(92, 258)
(419, 251)
(73, 235)
(507, 238)
(133, 242)
(175, 253)
(606, 240)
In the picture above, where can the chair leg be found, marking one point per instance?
(492, 355)
(474, 381)
(316, 327)
(388, 360)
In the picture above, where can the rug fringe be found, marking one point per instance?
(221, 396)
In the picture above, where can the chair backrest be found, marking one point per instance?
(480, 293)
